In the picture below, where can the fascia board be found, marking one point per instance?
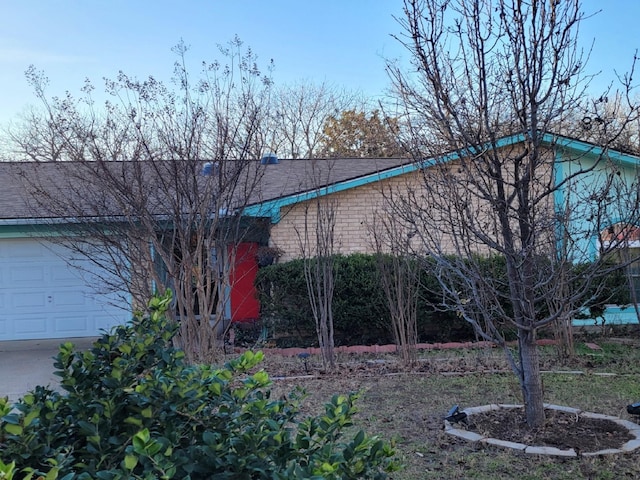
(585, 148)
(271, 208)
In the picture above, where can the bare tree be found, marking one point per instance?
(489, 81)
(399, 271)
(150, 186)
(612, 113)
(298, 114)
(316, 239)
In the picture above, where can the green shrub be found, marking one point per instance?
(361, 315)
(284, 304)
(610, 288)
(132, 408)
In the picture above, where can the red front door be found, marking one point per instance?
(244, 299)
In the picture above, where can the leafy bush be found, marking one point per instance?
(132, 408)
(284, 303)
(610, 288)
(361, 315)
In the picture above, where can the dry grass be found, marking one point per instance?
(408, 406)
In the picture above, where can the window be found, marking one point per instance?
(624, 242)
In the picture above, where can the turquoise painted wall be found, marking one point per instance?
(26, 231)
(613, 315)
(598, 194)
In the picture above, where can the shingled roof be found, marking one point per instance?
(290, 177)
(286, 182)
(20, 181)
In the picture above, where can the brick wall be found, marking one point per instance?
(359, 209)
(356, 210)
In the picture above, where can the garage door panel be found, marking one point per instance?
(24, 249)
(27, 301)
(30, 324)
(71, 325)
(70, 298)
(26, 274)
(65, 275)
(105, 322)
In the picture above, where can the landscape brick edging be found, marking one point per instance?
(390, 348)
(629, 446)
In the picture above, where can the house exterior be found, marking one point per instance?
(43, 293)
(360, 199)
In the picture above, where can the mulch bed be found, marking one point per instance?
(561, 430)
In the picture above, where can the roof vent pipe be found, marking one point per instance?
(269, 159)
(209, 169)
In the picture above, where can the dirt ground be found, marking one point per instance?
(561, 430)
(407, 406)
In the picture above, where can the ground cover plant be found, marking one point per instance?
(131, 408)
(409, 406)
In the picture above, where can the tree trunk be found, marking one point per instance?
(530, 380)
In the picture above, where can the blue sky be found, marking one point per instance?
(342, 42)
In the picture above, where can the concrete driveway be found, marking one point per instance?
(25, 364)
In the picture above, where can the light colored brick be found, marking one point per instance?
(510, 405)
(504, 443)
(634, 428)
(598, 416)
(608, 451)
(551, 451)
(631, 445)
(561, 408)
(481, 409)
(465, 434)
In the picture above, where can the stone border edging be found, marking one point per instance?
(629, 446)
(389, 348)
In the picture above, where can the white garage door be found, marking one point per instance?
(42, 297)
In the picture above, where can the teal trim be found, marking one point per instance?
(227, 302)
(593, 247)
(38, 229)
(32, 231)
(587, 148)
(559, 199)
(271, 208)
(613, 315)
(152, 253)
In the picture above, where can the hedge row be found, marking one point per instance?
(361, 315)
